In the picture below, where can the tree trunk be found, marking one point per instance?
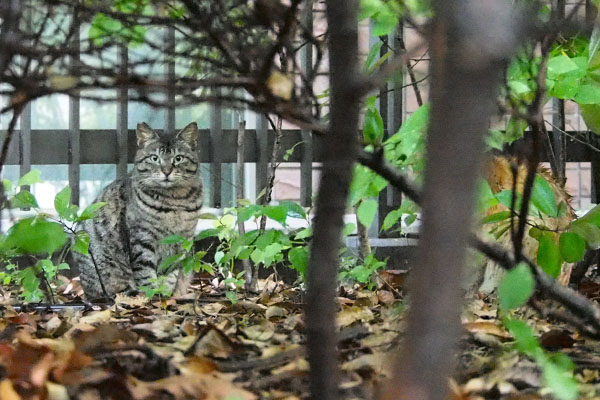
(341, 147)
(468, 55)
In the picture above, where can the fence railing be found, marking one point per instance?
(75, 146)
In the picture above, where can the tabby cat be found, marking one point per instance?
(161, 196)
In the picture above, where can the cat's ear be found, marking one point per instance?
(145, 134)
(189, 134)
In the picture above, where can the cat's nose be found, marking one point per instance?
(167, 172)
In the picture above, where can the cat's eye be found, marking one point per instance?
(154, 158)
(178, 158)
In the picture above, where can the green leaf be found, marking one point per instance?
(572, 247)
(516, 287)
(525, 340)
(391, 219)
(23, 199)
(373, 127)
(373, 53)
(588, 94)
(514, 129)
(543, 197)
(91, 211)
(385, 22)
(486, 197)
(495, 139)
(277, 213)
(520, 86)
(7, 185)
(82, 242)
(560, 65)
(560, 380)
(29, 279)
(591, 116)
(293, 209)
(167, 262)
(496, 217)
(303, 234)
(588, 231)
(207, 233)
(33, 176)
(566, 88)
(62, 206)
(298, 257)
(245, 213)
(366, 211)
(349, 228)
(548, 257)
(35, 236)
(172, 239)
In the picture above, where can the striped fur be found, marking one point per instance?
(161, 196)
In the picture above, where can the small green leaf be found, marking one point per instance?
(588, 231)
(277, 213)
(82, 242)
(486, 197)
(543, 197)
(385, 23)
(497, 217)
(207, 233)
(7, 185)
(373, 53)
(298, 257)
(591, 116)
(23, 199)
(172, 239)
(373, 127)
(167, 262)
(349, 228)
(516, 287)
(91, 211)
(572, 247)
(33, 176)
(391, 219)
(247, 212)
(548, 256)
(219, 256)
(560, 65)
(560, 380)
(62, 206)
(303, 234)
(35, 236)
(588, 94)
(366, 211)
(525, 340)
(294, 209)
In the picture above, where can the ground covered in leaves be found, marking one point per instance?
(204, 347)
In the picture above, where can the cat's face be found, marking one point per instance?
(166, 161)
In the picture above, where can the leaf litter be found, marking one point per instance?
(205, 347)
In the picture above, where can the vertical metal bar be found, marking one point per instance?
(383, 208)
(170, 117)
(307, 146)
(262, 145)
(590, 16)
(25, 143)
(559, 141)
(391, 110)
(216, 132)
(74, 136)
(595, 164)
(25, 127)
(122, 111)
(229, 120)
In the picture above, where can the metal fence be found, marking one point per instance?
(218, 146)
